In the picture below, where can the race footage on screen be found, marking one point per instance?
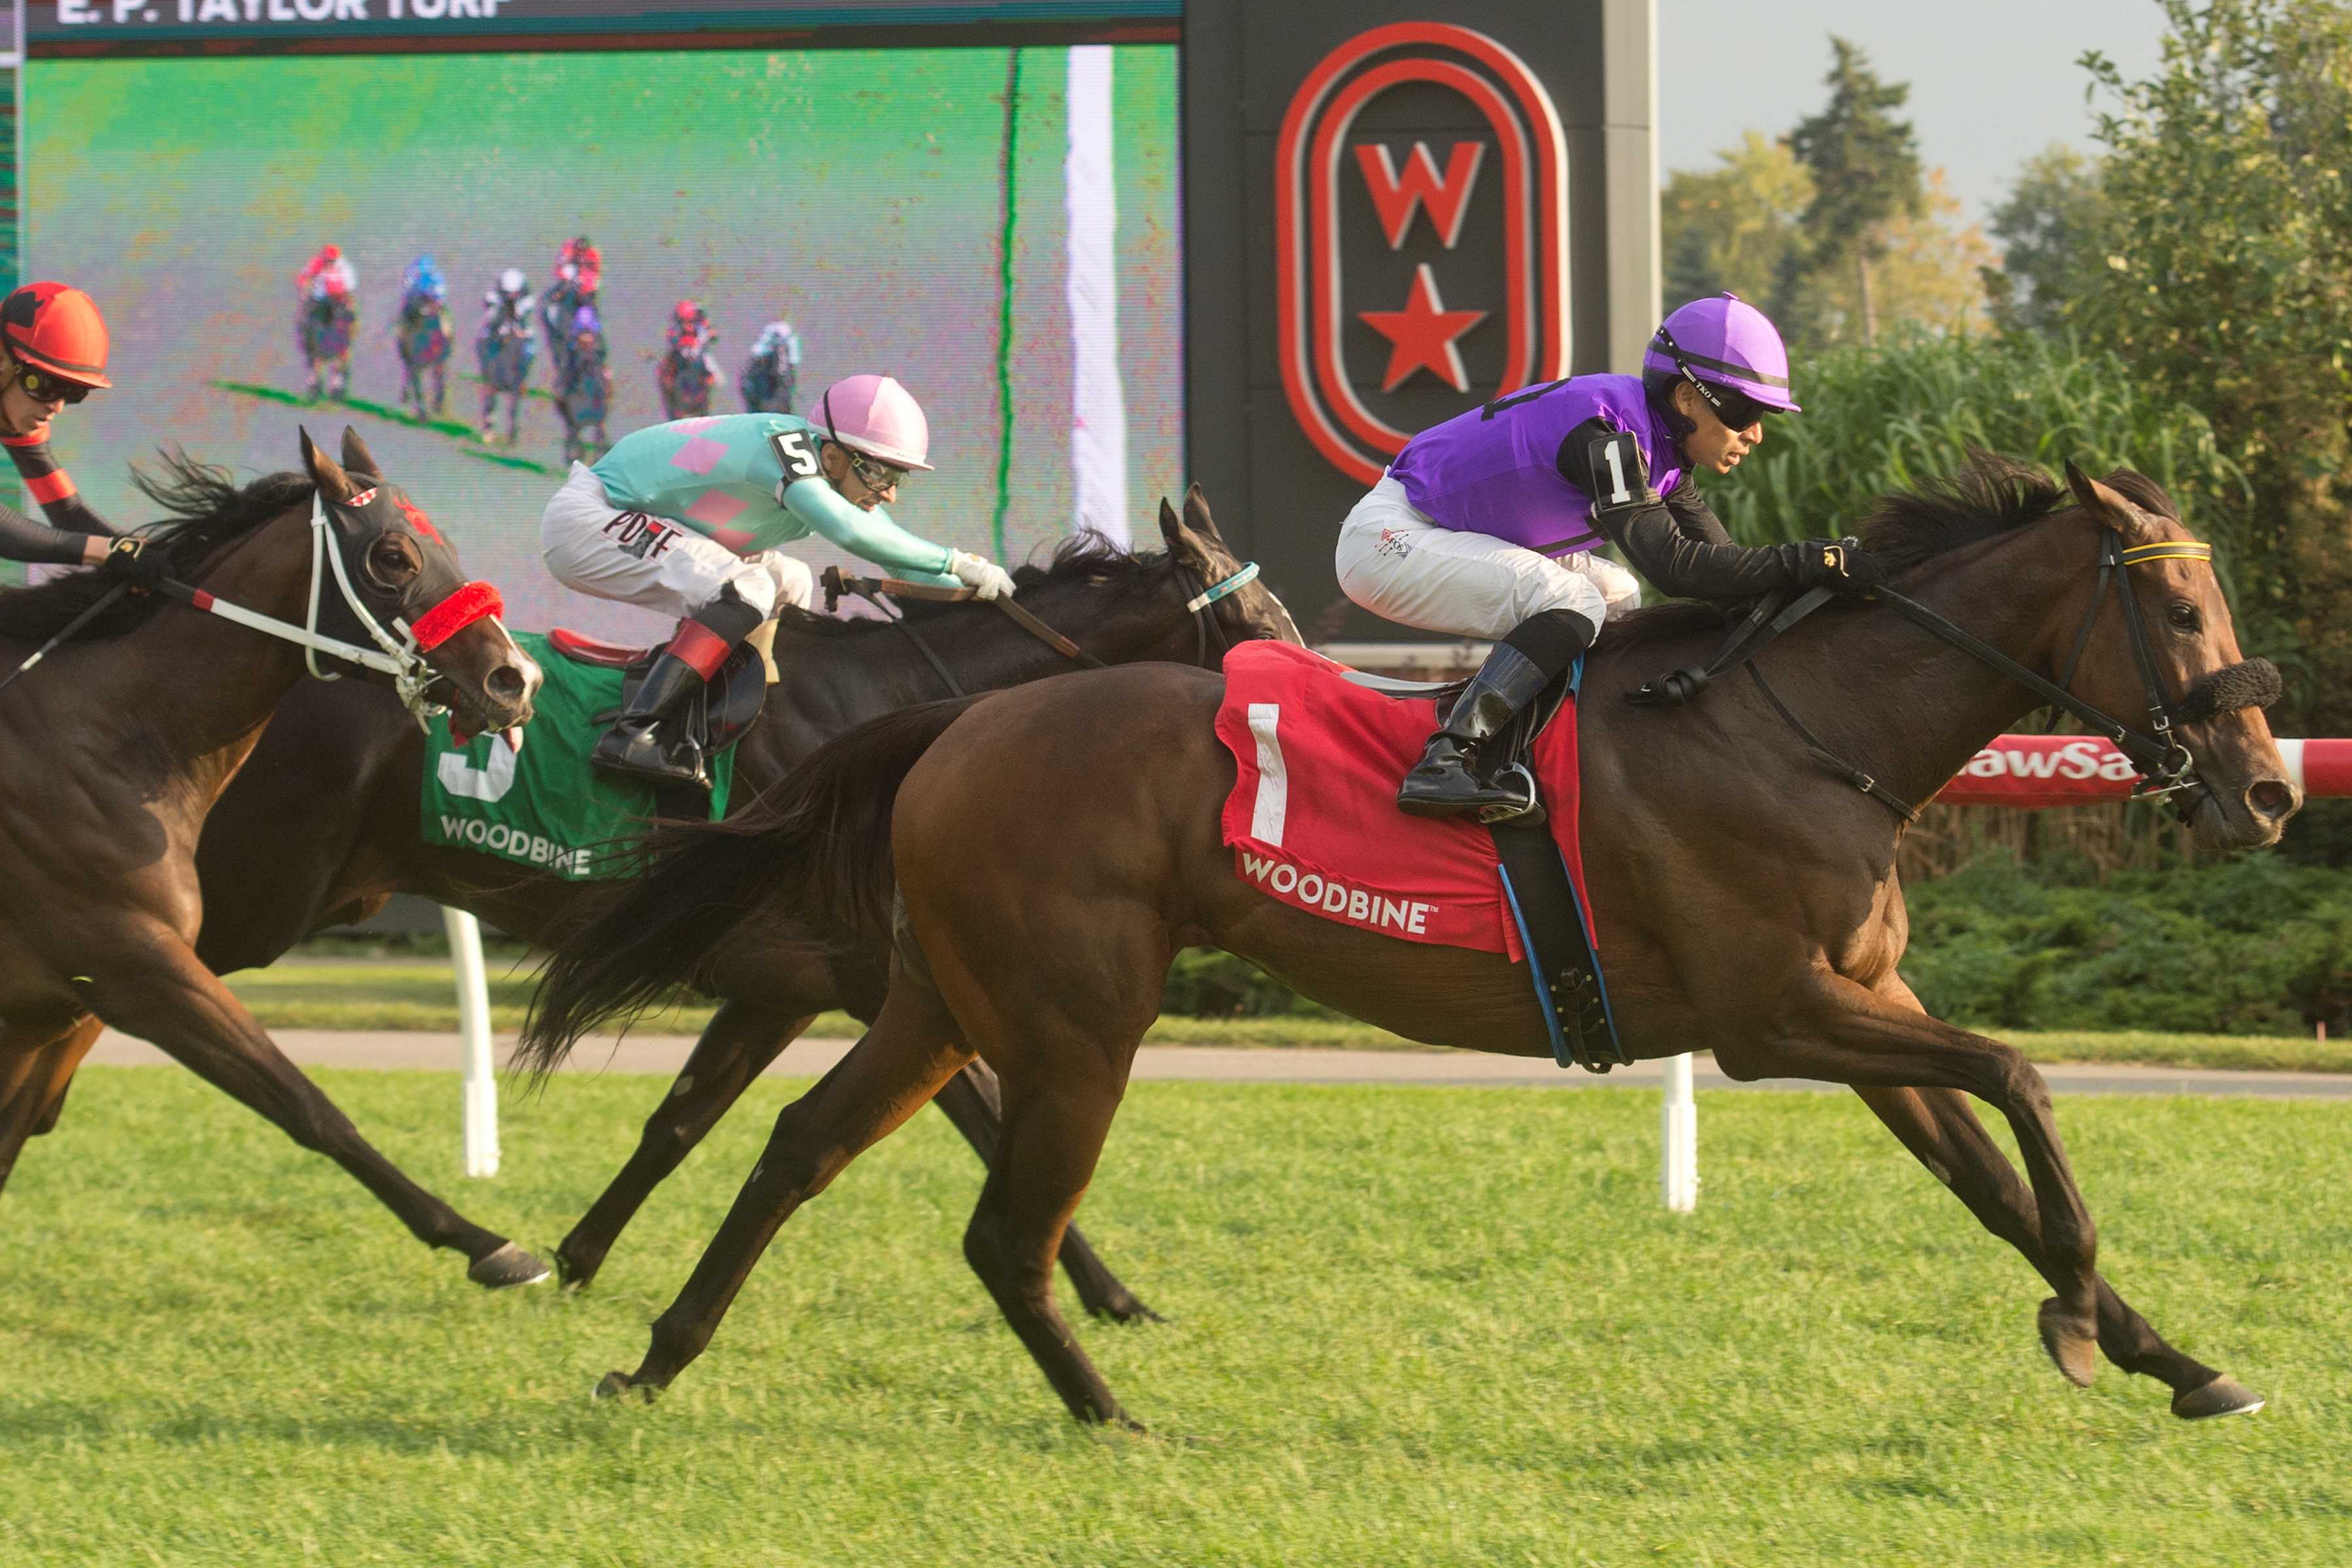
(756, 225)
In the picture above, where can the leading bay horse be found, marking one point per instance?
(116, 745)
(1055, 846)
(321, 827)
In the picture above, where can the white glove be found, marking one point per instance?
(985, 578)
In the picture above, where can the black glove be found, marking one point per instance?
(1615, 474)
(142, 562)
(1841, 565)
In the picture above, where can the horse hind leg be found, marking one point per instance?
(1052, 1136)
(971, 1100)
(735, 1048)
(913, 1047)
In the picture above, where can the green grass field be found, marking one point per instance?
(380, 994)
(1408, 1326)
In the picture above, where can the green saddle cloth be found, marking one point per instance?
(547, 809)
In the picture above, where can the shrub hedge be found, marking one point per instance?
(2256, 946)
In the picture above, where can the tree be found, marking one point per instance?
(1930, 273)
(1735, 226)
(2227, 285)
(1865, 168)
(2052, 234)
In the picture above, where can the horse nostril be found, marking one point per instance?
(505, 683)
(2272, 798)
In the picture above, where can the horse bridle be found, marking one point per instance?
(2166, 766)
(401, 659)
(876, 591)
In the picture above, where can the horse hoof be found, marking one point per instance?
(2073, 1343)
(1126, 1309)
(575, 1276)
(2222, 1396)
(508, 1266)
(615, 1384)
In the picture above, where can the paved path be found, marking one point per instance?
(662, 1053)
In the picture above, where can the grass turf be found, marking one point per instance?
(1408, 1326)
(379, 995)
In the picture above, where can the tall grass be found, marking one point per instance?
(1886, 418)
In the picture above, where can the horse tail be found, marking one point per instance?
(810, 858)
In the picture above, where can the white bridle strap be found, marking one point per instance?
(1215, 591)
(410, 675)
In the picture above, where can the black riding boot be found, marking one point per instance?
(641, 742)
(645, 741)
(1445, 782)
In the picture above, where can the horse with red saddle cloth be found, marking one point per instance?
(1039, 857)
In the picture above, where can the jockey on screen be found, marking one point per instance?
(685, 518)
(53, 345)
(1483, 526)
(327, 275)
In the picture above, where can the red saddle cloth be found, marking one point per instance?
(1313, 818)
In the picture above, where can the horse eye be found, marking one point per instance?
(2182, 615)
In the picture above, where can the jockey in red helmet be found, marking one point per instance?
(53, 347)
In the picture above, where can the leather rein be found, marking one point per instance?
(2166, 766)
(878, 591)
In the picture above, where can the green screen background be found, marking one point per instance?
(859, 192)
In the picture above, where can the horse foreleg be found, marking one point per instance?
(738, 1045)
(1839, 1032)
(1942, 1129)
(912, 1050)
(32, 1085)
(148, 984)
(971, 1100)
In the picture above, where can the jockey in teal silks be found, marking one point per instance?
(686, 518)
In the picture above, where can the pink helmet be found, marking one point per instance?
(875, 415)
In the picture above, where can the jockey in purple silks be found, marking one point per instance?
(1484, 526)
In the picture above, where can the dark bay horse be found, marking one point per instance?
(116, 745)
(321, 827)
(1055, 846)
(324, 333)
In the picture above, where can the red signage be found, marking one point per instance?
(1432, 185)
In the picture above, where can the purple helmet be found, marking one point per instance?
(1722, 345)
(585, 323)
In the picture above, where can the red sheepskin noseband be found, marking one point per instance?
(470, 602)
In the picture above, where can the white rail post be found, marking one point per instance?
(474, 1027)
(1678, 1165)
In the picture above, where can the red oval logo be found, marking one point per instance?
(1410, 186)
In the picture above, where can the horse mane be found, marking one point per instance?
(1989, 495)
(1084, 557)
(206, 511)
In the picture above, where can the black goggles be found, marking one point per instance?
(42, 387)
(1734, 407)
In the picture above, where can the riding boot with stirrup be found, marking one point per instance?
(644, 741)
(1447, 782)
(637, 746)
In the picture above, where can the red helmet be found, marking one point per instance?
(56, 329)
(330, 252)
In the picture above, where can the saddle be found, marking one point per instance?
(1543, 898)
(721, 713)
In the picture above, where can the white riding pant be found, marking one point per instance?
(594, 546)
(1397, 563)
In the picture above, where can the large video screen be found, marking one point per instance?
(908, 211)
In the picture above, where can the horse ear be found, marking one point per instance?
(1196, 515)
(325, 472)
(2108, 506)
(357, 459)
(1169, 529)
